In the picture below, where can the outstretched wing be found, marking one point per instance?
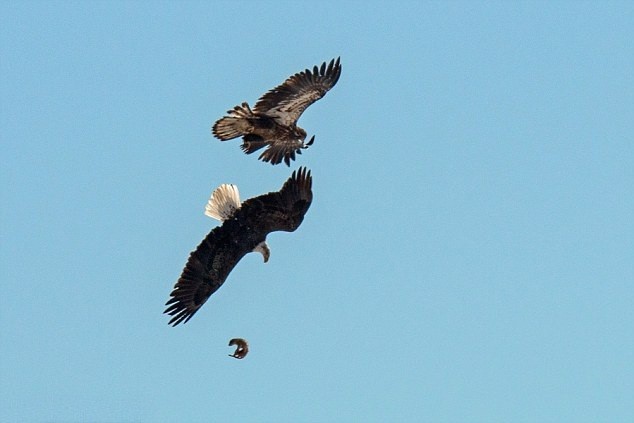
(212, 261)
(288, 101)
(283, 210)
(206, 270)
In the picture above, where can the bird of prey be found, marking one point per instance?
(244, 229)
(272, 123)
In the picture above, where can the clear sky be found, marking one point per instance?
(468, 257)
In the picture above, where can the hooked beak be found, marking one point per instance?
(309, 143)
(263, 249)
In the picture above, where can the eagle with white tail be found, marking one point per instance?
(272, 122)
(244, 229)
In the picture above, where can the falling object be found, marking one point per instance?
(242, 348)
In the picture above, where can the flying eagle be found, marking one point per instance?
(273, 121)
(244, 229)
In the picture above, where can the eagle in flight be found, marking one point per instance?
(272, 123)
(244, 229)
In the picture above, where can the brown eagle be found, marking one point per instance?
(244, 229)
(272, 123)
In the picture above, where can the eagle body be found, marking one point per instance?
(237, 238)
(257, 129)
(244, 230)
(272, 123)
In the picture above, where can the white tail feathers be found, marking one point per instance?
(224, 201)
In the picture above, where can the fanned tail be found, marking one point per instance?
(224, 202)
(235, 124)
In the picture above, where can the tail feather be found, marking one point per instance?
(235, 124)
(224, 202)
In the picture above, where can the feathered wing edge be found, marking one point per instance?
(288, 100)
(298, 187)
(287, 207)
(279, 151)
(194, 287)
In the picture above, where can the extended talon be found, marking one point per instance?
(242, 348)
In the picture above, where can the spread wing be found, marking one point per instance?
(288, 101)
(216, 256)
(283, 210)
(206, 270)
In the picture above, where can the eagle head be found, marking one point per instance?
(263, 249)
(301, 133)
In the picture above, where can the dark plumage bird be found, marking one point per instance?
(244, 230)
(273, 121)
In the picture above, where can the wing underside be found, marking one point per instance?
(206, 270)
(283, 210)
(287, 101)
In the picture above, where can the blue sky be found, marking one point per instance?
(469, 254)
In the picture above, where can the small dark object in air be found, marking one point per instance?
(242, 348)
